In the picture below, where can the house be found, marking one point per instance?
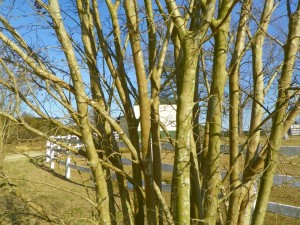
(167, 112)
(294, 129)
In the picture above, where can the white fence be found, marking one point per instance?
(54, 150)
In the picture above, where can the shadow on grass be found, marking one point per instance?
(14, 211)
(38, 161)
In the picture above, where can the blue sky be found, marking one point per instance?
(34, 29)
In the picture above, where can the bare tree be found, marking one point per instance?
(6, 126)
(112, 54)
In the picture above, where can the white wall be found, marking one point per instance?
(124, 125)
(167, 116)
(294, 130)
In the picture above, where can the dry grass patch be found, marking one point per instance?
(64, 199)
(25, 146)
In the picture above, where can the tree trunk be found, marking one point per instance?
(214, 118)
(196, 181)
(235, 114)
(291, 49)
(145, 104)
(184, 134)
(258, 99)
(155, 138)
(119, 75)
(82, 107)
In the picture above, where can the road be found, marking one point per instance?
(20, 156)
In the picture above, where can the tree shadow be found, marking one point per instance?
(39, 162)
(14, 211)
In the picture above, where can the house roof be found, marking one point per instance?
(163, 101)
(167, 101)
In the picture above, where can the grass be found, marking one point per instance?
(292, 141)
(25, 146)
(49, 189)
(56, 194)
(60, 196)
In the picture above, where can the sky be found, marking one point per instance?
(33, 28)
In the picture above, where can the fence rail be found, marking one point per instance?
(53, 150)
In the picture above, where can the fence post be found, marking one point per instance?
(52, 163)
(48, 151)
(68, 168)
